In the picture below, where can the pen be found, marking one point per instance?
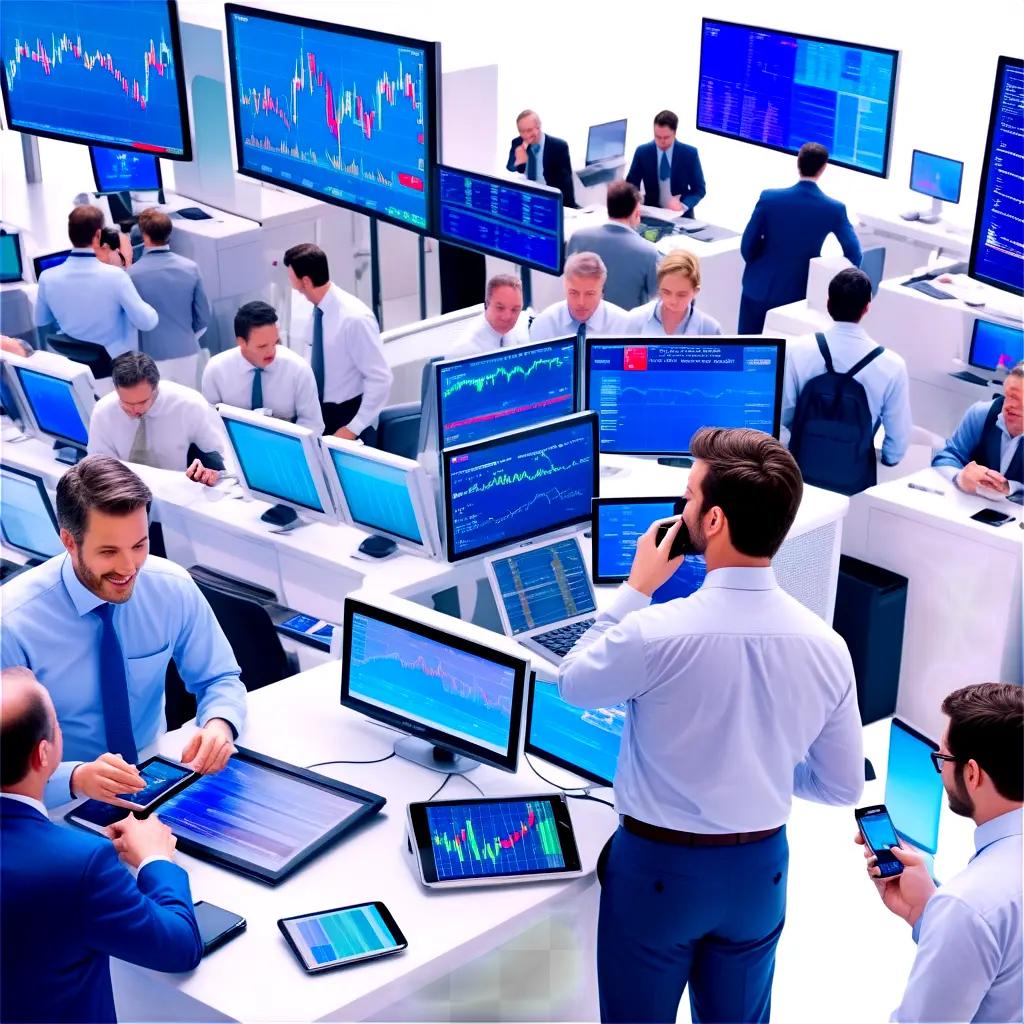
(930, 490)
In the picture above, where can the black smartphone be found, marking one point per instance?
(345, 935)
(682, 545)
(990, 517)
(880, 836)
(217, 925)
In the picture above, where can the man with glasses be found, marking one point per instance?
(968, 933)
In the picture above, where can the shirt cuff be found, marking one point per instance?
(58, 788)
(151, 860)
(626, 600)
(916, 930)
(357, 425)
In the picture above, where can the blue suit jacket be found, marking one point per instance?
(556, 166)
(687, 177)
(67, 904)
(786, 231)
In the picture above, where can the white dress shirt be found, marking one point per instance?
(479, 336)
(354, 362)
(557, 322)
(289, 387)
(737, 697)
(646, 321)
(180, 416)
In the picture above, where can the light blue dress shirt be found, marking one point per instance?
(48, 627)
(92, 301)
(557, 322)
(646, 321)
(969, 938)
(737, 697)
(967, 436)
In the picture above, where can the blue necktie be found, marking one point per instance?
(257, 389)
(581, 335)
(664, 169)
(117, 716)
(531, 161)
(316, 355)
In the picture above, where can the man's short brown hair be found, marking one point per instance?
(308, 260)
(155, 225)
(623, 198)
(811, 158)
(666, 119)
(97, 482)
(756, 483)
(83, 223)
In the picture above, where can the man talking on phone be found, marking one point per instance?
(737, 697)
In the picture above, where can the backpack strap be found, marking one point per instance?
(825, 354)
(869, 358)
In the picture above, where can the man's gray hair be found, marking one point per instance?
(133, 368)
(1018, 370)
(585, 264)
(502, 281)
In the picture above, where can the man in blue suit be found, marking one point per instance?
(542, 158)
(669, 171)
(66, 904)
(786, 231)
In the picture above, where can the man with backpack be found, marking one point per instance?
(839, 386)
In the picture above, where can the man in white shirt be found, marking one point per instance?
(157, 423)
(261, 373)
(969, 932)
(584, 310)
(502, 324)
(352, 375)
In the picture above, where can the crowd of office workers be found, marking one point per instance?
(738, 697)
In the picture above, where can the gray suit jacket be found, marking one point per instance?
(632, 262)
(172, 286)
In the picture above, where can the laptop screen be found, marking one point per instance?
(544, 585)
(606, 141)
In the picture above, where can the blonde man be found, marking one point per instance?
(674, 310)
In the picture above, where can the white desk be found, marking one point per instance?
(908, 243)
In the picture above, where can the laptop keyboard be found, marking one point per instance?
(561, 641)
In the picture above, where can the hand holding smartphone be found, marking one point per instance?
(879, 836)
(682, 545)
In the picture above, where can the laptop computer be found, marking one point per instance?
(606, 147)
(544, 596)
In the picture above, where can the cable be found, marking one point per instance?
(555, 785)
(466, 778)
(587, 796)
(376, 760)
(447, 779)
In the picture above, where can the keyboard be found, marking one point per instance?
(929, 289)
(561, 641)
(971, 378)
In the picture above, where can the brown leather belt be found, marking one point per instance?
(670, 835)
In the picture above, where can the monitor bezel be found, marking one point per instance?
(441, 365)
(1002, 65)
(549, 426)
(604, 579)
(937, 156)
(420, 494)
(974, 339)
(432, 76)
(625, 124)
(36, 260)
(101, 191)
(15, 236)
(174, 31)
(531, 188)
(519, 663)
(718, 340)
(79, 381)
(895, 54)
(37, 479)
(901, 724)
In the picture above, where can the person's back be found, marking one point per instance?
(631, 260)
(168, 281)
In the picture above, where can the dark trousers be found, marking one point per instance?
(753, 312)
(707, 917)
(340, 414)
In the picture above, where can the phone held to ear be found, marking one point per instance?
(682, 545)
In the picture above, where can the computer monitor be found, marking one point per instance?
(28, 522)
(120, 170)
(456, 686)
(343, 114)
(996, 346)
(49, 260)
(653, 396)
(279, 462)
(10, 405)
(105, 72)
(384, 493)
(494, 392)
(782, 89)
(10, 258)
(913, 789)
(512, 220)
(937, 176)
(606, 141)
(519, 485)
(57, 395)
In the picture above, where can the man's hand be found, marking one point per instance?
(904, 894)
(198, 472)
(208, 751)
(651, 565)
(137, 839)
(521, 154)
(973, 475)
(674, 203)
(345, 433)
(106, 779)
(13, 345)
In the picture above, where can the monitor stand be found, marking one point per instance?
(68, 454)
(930, 216)
(609, 471)
(676, 461)
(437, 759)
(282, 517)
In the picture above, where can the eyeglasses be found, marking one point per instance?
(938, 758)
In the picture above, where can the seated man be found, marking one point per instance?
(675, 310)
(985, 449)
(68, 905)
(669, 171)
(584, 309)
(542, 158)
(262, 373)
(502, 324)
(157, 423)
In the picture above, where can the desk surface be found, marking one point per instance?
(593, 216)
(943, 235)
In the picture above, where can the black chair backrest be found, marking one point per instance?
(398, 429)
(92, 355)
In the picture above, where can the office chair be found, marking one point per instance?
(872, 262)
(427, 376)
(92, 355)
(398, 429)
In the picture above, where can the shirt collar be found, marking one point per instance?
(157, 248)
(36, 805)
(684, 323)
(847, 328)
(82, 598)
(86, 250)
(1001, 424)
(739, 577)
(490, 330)
(1006, 825)
(329, 302)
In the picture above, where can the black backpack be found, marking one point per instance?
(832, 438)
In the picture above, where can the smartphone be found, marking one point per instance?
(217, 925)
(880, 836)
(345, 935)
(990, 517)
(682, 545)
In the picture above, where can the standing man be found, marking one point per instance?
(502, 324)
(631, 260)
(352, 375)
(171, 284)
(969, 933)
(669, 171)
(584, 310)
(98, 626)
(737, 697)
(785, 232)
(542, 158)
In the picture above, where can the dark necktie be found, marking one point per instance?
(316, 355)
(257, 389)
(664, 170)
(117, 716)
(581, 334)
(531, 161)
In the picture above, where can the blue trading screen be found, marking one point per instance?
(510, 837)
(502, 218)
(506, 390)
(273, 463)
(877, 829)
(585, 740)
(26, 522)
(53, 406)
(782, 89)
(996, 346)
(120, 170)
(105, 71)
(519, 486)
(431, 682)
(913, 789)
(10, 258)
(997, 249)
(543, 585)
(652, 398)
(158, 777)
(936, 176)
(333, 113)
(341, 935)
(377, 495)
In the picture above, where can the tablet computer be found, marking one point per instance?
(493, 840)
(345, 935)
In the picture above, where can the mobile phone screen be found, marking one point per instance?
(337, 937)
(878, 831)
